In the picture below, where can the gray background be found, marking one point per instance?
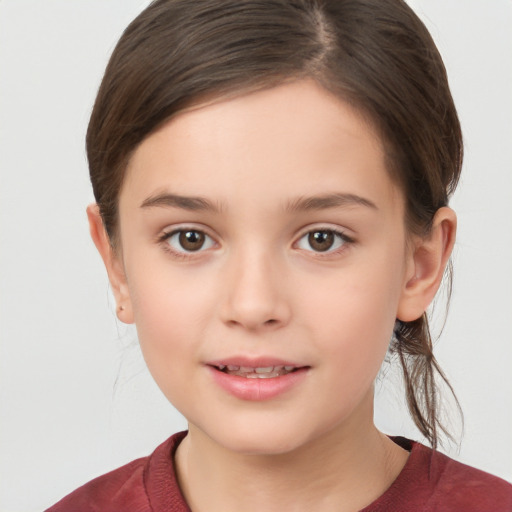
(75, 398)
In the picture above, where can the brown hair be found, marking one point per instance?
(376, 54)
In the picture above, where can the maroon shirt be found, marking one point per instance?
(428, 482)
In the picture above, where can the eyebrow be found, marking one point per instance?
(190, 203)
(321, 202)
(326, 201)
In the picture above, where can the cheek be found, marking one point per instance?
(170, 322)
(353, 313)
(170, 311)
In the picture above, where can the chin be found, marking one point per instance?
(262, 437)
(262, 444)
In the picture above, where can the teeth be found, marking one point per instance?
(260, 372)
(267, 369)
(262, 375)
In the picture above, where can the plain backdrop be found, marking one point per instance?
(75, 397)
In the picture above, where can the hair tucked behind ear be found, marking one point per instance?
(375, 54)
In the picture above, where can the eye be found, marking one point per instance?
(188, 240)
(323, 240)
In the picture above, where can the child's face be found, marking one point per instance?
(265, 231)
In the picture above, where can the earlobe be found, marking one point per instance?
(429, 259)
(113, 264)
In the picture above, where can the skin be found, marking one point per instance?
(258, 287)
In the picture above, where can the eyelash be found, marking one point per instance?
(164, 238)
(343, 238)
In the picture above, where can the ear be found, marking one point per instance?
(429, 258)
(113, 263)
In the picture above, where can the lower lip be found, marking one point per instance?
(258, 389)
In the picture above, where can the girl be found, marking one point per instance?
(272, 181)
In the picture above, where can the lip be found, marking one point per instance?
(256, 389)
(254, 362)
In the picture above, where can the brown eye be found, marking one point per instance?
(189, 240)
(321, 240)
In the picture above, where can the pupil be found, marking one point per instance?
(191, 240)
(321, 240)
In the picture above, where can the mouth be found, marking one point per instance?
(256, 372)
(257, 379)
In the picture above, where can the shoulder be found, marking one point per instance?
(108, 492)
(462, 487)
(432, 482)
(130, 487)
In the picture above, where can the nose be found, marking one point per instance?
(255, 295)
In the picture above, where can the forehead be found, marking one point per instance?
(289, 140)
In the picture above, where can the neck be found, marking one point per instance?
(341, 470)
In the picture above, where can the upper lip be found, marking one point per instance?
(253, 362)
